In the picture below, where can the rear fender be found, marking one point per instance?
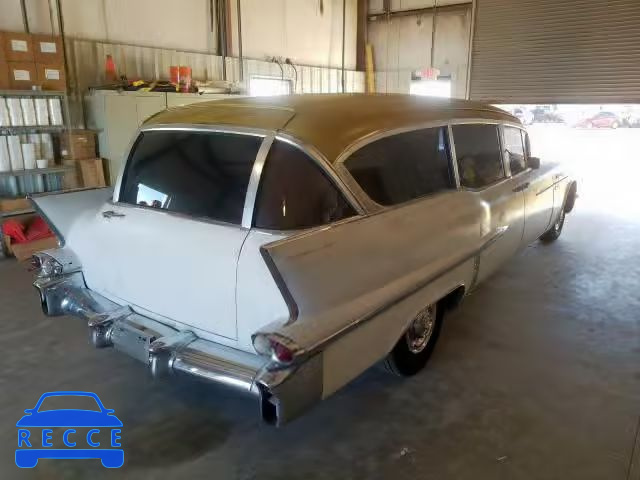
(64, 211)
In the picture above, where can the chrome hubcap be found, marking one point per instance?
(421, 329)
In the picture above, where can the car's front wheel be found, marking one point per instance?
(416, 345)
(556, 229)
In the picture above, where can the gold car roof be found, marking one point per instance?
(329, 122)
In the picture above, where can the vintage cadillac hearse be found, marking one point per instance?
(283, 245)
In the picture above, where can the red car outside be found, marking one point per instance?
(601, 120)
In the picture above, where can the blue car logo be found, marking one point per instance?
(96, 428)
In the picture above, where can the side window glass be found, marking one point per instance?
(200, 174)
(295, 193)
(402, 167)
(514, 150)
(478, 154)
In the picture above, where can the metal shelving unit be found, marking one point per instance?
(31, 129)
(32, 93)
(38, 171)
(27, 181)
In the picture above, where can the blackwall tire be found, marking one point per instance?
(554, 232)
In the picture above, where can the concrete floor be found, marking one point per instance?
(537, 375)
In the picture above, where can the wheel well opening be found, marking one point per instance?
(453, 298)
(571, 197)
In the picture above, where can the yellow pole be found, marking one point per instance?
(370, 76)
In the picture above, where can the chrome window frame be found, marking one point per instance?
(507, 173)
(505, 158)
(182, 127)
(371, 205)
(320, 160)
(268, 137)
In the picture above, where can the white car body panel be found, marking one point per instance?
(167, 264)
(506, 211)
(258, 299)
(538, 201)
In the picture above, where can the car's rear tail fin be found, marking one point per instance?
(62, 210)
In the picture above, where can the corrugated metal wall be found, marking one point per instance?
(86, 65)
(549, 51)
(376, 6)
(403, 44)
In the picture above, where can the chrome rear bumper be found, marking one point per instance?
(283, 392)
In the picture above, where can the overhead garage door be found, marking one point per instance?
(555, 51)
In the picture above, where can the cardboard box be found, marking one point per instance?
(22, 75)
(4, 75)
(92, 173)
(71, 178)
(24, 251)
(78, 145)
(51, 76)
(47, 49)
(14, 204)
(17, 47)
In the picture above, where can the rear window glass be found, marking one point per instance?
(202, 174)
(402, 167)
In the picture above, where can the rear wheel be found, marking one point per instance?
(416, 345)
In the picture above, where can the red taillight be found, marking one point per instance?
(279, 349)
(281, 353)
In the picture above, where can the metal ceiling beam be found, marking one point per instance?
(459, 7)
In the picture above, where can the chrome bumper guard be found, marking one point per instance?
(283, 392)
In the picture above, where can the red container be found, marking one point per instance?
(185, 79)
(174, 74)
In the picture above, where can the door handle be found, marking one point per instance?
(521, 187)
(111, 214)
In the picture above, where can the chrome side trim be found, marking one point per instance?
(254, 181)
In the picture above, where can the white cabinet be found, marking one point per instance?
(117, 115)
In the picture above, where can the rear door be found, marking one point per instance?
(482, 172)
(170, 241)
